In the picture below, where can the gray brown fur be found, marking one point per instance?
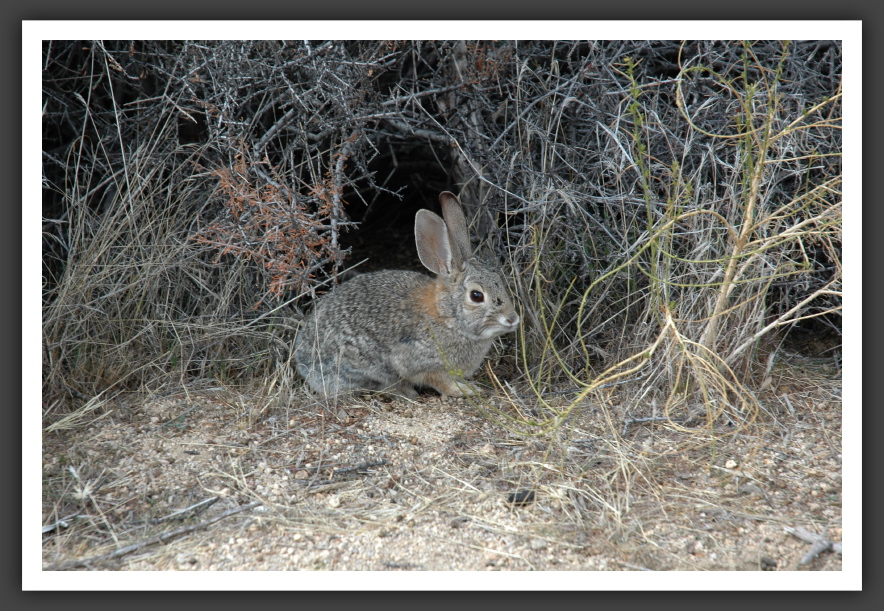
(394, 331)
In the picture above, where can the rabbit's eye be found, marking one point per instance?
(477, 296)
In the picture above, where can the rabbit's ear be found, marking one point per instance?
(458, 234)
(433, 243)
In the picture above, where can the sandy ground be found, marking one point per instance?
(206, 479)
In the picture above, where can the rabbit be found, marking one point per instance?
(394, 331)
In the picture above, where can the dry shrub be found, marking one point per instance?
(263, 225)
(634, 190)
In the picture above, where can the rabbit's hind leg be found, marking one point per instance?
(330, 378)
(402, 387)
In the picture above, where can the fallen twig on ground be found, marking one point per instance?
(819, 544)
(161, 538)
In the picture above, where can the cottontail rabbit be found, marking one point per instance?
(393, 331)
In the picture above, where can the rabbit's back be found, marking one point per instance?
(368, 307)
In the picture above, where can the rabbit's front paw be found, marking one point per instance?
(443, 382)
(468, 389)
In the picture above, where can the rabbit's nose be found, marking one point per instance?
(512, 319)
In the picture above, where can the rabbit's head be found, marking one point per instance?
(471, 296)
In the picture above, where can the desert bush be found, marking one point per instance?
(662, 208)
